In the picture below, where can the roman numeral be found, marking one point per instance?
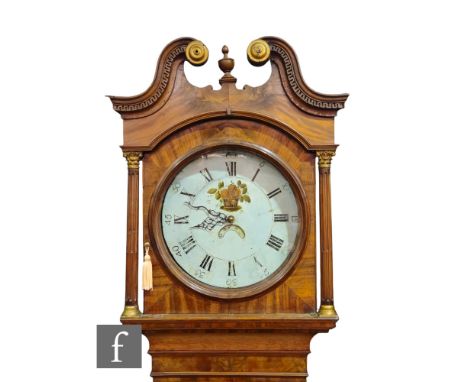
(274, 193)
(187, 194)
(180, 219)
(255, 175)
(188, 244)
(232, 269)
(275, 242)
(206, 174)
(281, 218)
(258, 262)
(207, 262)
(231, 168)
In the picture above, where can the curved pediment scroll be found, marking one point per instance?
(173, 55)
(171, 102)
(280, 53)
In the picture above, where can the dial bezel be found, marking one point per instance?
(158, 242)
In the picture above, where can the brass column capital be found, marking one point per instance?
(325, 158)
(133, 159)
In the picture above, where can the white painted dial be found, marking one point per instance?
(230, 218)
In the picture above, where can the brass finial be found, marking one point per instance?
(196, 53)
(258, 52)
(226, 64)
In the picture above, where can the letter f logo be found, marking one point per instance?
(116, 346)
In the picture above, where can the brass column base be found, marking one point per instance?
(131, 311)
(327, 311)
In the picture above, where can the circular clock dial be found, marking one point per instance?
(230, 218)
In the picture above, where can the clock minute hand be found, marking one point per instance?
(210, 222)
(218, 215)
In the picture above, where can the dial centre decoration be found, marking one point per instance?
(231, 195)
(230, 218)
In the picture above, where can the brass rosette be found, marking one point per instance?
(258, 52)
(196, 53)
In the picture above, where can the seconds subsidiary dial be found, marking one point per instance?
(230, 218)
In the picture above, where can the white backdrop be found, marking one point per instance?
(398, 180)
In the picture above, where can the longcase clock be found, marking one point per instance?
(229, 176)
